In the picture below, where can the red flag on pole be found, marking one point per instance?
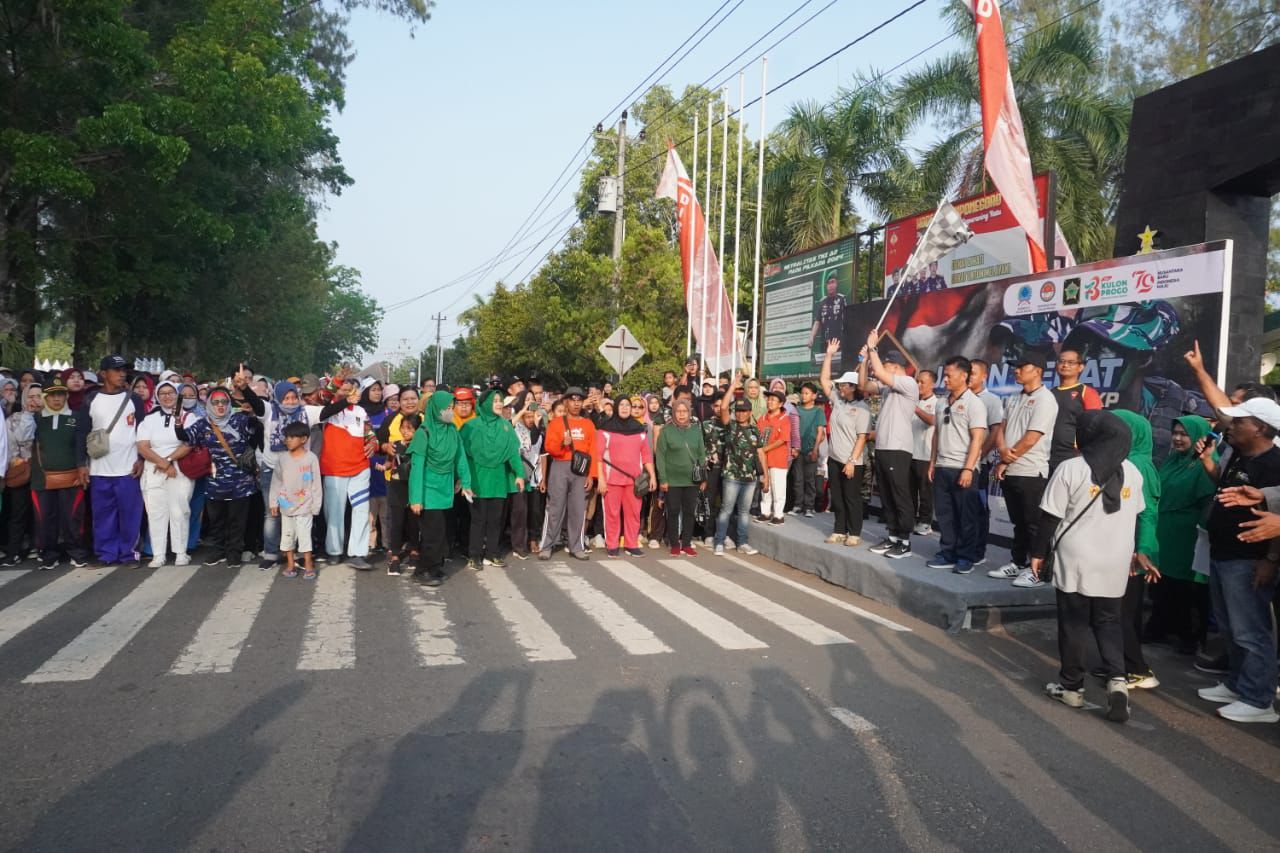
(701, 297)
(1008, 161)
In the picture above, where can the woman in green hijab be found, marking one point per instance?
(493, 449)
(1147, 543)
(439, 469)
(1180, 604)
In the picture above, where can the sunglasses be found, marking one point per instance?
(946, 414)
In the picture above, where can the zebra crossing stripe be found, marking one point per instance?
(222, 635)
(86, 655)
(714, 627)
(532, 633)
(829, 599)
(329, 640)
(786, 619)
(21, 615)
(9, 577)
(432, 639)
(607, 613)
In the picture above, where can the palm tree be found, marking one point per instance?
(823, 154)
(1073, 127)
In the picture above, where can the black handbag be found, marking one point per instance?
(579, 462)
(640, 483)
(699, 474)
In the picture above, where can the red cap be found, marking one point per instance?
(464, 393)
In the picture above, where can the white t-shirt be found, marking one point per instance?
(1093, 557)
(124, 437)
(921, 432)
(164, 440)
(897, 412)
(1023, 413)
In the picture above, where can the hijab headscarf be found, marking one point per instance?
(1183, 481)
(441, 440)
(620, 425)
(284, 415)
(485, 444)
(223, 421)
(1140, 457)
(145, 379)
(1105, 441)
(371, 408)
(191, 406)
(74, 398)
(168, 414)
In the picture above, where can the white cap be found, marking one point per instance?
(367, 381)
(1267, 411)
(848, 378)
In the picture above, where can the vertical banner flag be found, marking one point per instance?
(703, 293)
(1007, 160)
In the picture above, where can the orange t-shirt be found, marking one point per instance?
(584, 440)
(774, 427)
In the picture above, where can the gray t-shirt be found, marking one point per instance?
(922, 433)
(898, 403)
(1093, 557)
(1025, 413)
(966, 413)
(846, 422)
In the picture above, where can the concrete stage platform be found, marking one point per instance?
(940, 597)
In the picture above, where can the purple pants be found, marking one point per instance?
(117, 517)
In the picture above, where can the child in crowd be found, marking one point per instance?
(397, 467)
(295, 497)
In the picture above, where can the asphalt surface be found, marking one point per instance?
(647, 704)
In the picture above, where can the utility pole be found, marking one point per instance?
(618, 218)
(439, 318)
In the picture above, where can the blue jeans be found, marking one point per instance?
(270, 523)
(1244, 616)
(198, 499)
(959, 514)
(737, 493)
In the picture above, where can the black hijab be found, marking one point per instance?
(620, 425)
(1104, 441)
(371, 408)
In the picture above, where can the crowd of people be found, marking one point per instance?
(114, 467)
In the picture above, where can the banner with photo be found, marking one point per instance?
(805, 299)
(1131, 319)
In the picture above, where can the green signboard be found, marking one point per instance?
(804, 301)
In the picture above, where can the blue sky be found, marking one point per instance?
(453, 135)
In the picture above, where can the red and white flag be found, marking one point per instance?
(704, 299)
(1007, 160)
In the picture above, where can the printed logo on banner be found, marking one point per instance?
(1143, 281)
(1048, 291)
(1024, 295)
(1071, 291)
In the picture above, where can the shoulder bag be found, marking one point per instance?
(579, 462)
(245, 461)
(699, 473)
(640, 484)
(53, 480)
(98, 443)
(198, 461)
(1046, 568)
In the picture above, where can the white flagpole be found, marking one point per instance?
(706, 247)
(737, 223)
(914, 252)
(755, 278)
(724, 194)
(688, 297)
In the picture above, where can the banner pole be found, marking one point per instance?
(737, 223)
(688, 289)
(706, 248)
(914, 252)
(724, 195)
(755, 276)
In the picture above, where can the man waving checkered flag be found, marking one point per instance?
(946, 231)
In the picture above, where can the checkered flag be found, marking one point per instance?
(946, 231)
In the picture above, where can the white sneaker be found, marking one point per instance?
(852, 540)
(835, 539)
(247, 557)
(597, 541)
(730, 544)
(1242, 712)
(654, 544)
(1118, 700)
(1218, 693)
(642, 540)
(748, 550)
(922, 529)
(709, 542)
(1070, 698)
(182, 560)
(156, 562)
(719, 552)
(1006, 572)
(1027, 580)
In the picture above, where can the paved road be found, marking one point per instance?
(640, 704)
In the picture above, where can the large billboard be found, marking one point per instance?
(1131, 319)
(805, 298)
(998, 249)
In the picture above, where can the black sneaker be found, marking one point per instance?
(519, 555)
(635, 552)
(79, 564)
(612, 552)
(236, 566)
(215, 561)
(266, 564)
(393, 567)
(434, 578)
(778, 519)
(898, 551)
(884, 546)
(497, 563)
(1213, 666)
(49, 565)
(11, 560)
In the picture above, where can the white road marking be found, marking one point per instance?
(538, 639)
(711, 625)
(7, 577)
(856, 723)
(607, 613)
(21, 615)
(786, 619)
(830, 599)
(222, 635)
(432, 630)
(329, 641)
(86, 655)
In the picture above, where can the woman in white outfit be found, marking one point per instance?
(166, 491)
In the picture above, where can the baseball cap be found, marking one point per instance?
(466, 392)
(574, 391)
(1267, 411)
(742, 405)
(847, 378)
(894, 357)
(509, 400)
(113, 362)
(782, 398)
(309, 384)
